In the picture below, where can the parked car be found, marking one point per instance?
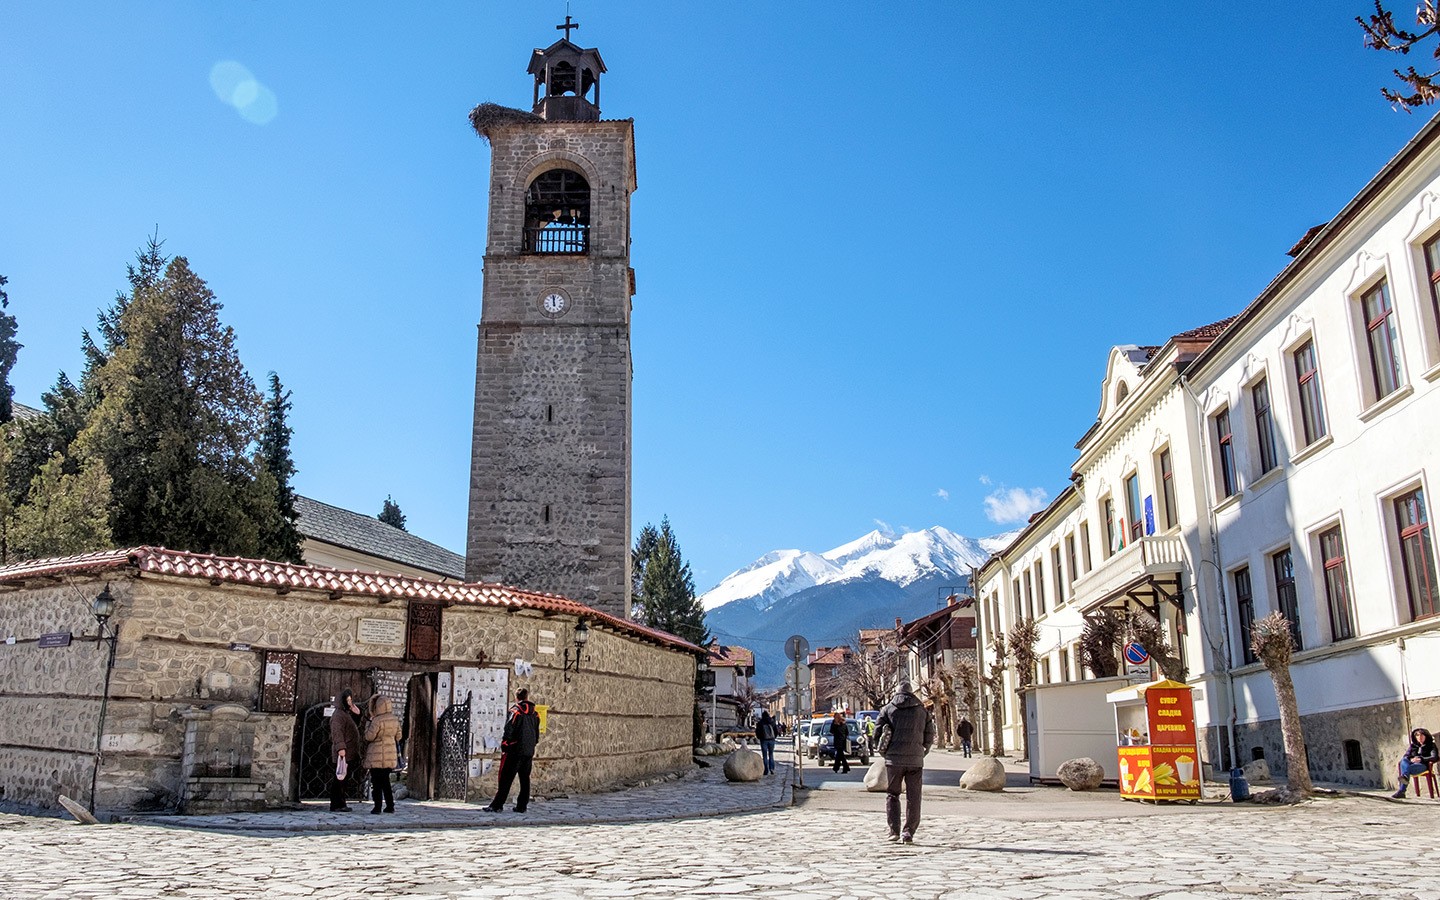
(817, 730)
(859, 744)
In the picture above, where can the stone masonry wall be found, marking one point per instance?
(1381, 731)
(626, 715)
(550, 472)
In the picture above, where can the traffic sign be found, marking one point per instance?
(797, 648)
(1135, 654)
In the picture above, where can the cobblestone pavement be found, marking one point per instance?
(830, 846)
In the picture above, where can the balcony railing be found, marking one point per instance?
(557, 238)
(1153, 555)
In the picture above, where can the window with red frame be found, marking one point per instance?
(1417, 554)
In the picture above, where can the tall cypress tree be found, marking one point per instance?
(667, 590)
(176, 418)
(282, 541)
(9, 351)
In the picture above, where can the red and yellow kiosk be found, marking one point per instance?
(1155, 737)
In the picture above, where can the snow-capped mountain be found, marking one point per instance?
(902, 559)
(828, 597)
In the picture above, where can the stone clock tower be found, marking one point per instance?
(550, 466)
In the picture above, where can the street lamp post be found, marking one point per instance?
(103, 607)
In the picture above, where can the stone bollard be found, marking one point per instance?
(1083, 774)
(987, 774)
(1257, 771)
(744, 765)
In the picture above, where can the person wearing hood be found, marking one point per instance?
(381, 753)
(344, 745)
(1419, 757)
(517, 752)
(906, 734)
(765, 733)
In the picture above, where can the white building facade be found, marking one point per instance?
(1279, 460)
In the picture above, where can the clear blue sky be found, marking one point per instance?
(882, 248)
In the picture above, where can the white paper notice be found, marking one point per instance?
(272, 673)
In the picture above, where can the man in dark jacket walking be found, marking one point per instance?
(517, 752)
(906, 734)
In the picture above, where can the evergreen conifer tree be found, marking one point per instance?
(175, 417)
(667, 590)
(283, 542)
(644, 546)
(9, 351)
(391, 515)
(63, 514)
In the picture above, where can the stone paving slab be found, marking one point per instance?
(697, 794)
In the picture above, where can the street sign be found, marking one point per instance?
(797, 648)
(1135, 654)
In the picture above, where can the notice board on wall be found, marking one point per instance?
(488, 690)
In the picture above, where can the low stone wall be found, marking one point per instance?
(186, 644)
(1380, 730)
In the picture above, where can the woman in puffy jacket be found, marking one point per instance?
(381, 753)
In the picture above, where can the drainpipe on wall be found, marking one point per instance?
(1208, 490)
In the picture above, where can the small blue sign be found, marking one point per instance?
(1149, 515)
(1135, 654)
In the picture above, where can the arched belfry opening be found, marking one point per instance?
(567, 80)
(557, 213)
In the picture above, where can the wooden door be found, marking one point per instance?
(420, 740)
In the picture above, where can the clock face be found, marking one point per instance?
(554, 304)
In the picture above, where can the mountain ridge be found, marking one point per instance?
(828, 597)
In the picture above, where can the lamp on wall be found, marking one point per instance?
(102, 608)
(582, 637)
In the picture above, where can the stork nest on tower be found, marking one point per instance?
(492, 115)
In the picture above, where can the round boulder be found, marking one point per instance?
(1257, 771)
(744, 765)
(1083, 774)
(985, 775)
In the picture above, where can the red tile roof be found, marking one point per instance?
(829, 656)
(725, 655)
(1205, 332)
(290, 576)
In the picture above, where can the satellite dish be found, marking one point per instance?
(796, 647)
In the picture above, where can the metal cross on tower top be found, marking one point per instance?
(567, 26)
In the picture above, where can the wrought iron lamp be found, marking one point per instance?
(582, 637)
(103, 607)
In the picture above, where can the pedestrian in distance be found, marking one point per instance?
(344, 749)
(381, 752)
(517, 752)
(1419, 757)
(906, 734)
(766, 732)
(840, 731)
(965, 731)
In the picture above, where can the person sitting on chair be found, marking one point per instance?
(1421, 754)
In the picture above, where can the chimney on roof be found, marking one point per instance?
(897, 623)
(952, 599)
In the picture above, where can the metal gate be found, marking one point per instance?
(454, 775)
(316, 768)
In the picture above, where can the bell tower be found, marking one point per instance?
(550, 463)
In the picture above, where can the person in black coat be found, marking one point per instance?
(840, 731)
(1419, 756)
(517, 752)
(344, 744)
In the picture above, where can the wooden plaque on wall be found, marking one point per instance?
(422, 632)
(277, 681)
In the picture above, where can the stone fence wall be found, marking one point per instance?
(185, 643)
